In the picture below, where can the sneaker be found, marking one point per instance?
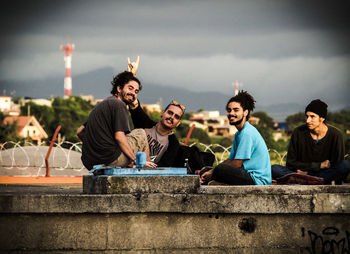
(295, 178)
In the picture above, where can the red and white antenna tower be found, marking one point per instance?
(68, 49)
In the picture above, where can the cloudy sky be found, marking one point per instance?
(280, 50)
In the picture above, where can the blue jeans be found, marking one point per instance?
(338, 172)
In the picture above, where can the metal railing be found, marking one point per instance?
(24, 156)
(66, 155)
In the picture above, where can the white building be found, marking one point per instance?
(8, 107)
(27, 126)
(41, 102)
(5, 103)
(216, 124)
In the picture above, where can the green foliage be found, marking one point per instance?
(342, 118)
(186, 116)
(69, 113)
(155, 116)
(226, 142)
(295, 120)
(265, 127)
(201, 135)
(265, 119)
(280, 145)
(266, 133)
(8, 131)
(223, 141)
(216, 139)
(16, 99)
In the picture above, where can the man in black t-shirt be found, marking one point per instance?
(315, 149)
(106, 134)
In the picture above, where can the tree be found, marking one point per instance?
(266, 133)
(341, 120)
(295, 120)
(264, 118)
(70, 113)
(199, 134)
(8, 131)
(226, 142)
(265, 127)
(155, 116)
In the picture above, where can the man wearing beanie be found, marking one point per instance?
(315, 152)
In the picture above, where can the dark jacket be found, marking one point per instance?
(141, 120)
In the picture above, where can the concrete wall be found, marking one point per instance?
(254, 219)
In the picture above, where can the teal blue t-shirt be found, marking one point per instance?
(248, 145)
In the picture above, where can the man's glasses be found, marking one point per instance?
(175, 103)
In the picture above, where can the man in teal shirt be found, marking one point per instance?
(249, 160)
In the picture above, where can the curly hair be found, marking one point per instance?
(245, 99)
(122, 79)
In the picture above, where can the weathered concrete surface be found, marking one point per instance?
(168, 231)
(140, 184)
(236, 219)
(233, 199)
(161, 231)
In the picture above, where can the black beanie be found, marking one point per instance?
(318, 107)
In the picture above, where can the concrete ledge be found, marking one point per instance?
(275, 189)
(173, 233)
(235, 219)
(235, 199)
(140, 184)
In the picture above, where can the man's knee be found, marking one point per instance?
(137, 140)
(137, 133)
(343, 166)
(278, 171)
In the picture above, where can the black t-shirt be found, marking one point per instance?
(99, 144)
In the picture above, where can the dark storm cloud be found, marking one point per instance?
(281, 50)
(266, 29)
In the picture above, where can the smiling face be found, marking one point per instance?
(235, 113)
(129, 92)
(171, 117)
(313, 121)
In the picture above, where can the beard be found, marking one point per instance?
(236, 122)
(165, 126)
(126, 99)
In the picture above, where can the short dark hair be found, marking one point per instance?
(176, 104)
(245, 99)
(122, 79)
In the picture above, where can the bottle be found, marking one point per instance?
(187, 165)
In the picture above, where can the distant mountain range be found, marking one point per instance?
(97, 83)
